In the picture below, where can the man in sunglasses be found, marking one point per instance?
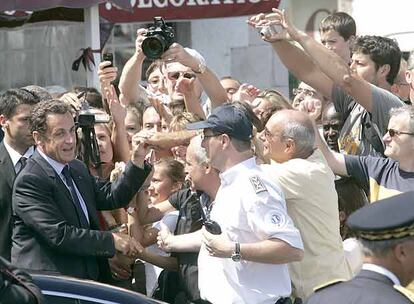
(382, 177)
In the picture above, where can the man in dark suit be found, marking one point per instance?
(386, 231)
(55, 201)
(15, 107)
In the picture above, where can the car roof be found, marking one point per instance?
(87, 290)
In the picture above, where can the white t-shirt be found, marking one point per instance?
(151, 271)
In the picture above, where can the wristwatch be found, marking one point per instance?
(201, 67)
(236, 256)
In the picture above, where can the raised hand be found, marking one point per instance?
(246, 92)
(177, 53)
(72, 100)
(106, 74)
(118, 110)
(138, 41)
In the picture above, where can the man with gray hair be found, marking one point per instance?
(388, 245)
(382, 177)
(311, 199)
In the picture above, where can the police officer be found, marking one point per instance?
(16, 286)
(246, 263)
(386, 231)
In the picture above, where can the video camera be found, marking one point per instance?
(158, 39)
(88, 150)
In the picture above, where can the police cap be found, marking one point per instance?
(391, 218)
(227, 119)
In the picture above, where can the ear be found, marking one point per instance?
(225, 141)
(176, 186)
(290, 146)
(399, 252)
(351, 40)
(38, 139)
(408, 77)
(384, 70)
(3, 121)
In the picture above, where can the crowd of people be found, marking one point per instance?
(243, 197)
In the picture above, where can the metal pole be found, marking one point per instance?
(92, 39)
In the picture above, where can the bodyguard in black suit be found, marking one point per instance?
(15, 107)
(55, 201)
(386, 231)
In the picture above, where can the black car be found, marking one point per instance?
(67, 290)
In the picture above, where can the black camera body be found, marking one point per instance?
(159, 38)
(85, 118)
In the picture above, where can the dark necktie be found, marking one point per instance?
(22, 162)
(81, 215)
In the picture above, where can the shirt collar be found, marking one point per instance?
(57, 166)
(383, 271)
(230, 174)
(15, 156)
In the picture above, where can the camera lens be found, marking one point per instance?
(153, 47)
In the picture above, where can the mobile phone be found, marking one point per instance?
(108, 57)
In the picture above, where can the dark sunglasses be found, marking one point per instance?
(393, 132)
(176, 75)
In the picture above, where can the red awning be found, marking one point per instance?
(37, 5)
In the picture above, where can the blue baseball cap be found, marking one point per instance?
(227, 119)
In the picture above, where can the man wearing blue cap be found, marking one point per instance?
(247, 262)
(386, 232)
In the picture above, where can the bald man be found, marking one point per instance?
(311, 199)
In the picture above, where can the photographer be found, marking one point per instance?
(177, 62)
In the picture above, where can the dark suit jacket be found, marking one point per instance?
(7, 175)
(367, 287)
(47, 236)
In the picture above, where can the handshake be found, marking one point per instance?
(127, 245)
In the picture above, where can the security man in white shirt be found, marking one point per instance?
(246, 261)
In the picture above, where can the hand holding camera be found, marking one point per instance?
(158, 38)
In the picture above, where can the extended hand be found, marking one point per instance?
(127, 245)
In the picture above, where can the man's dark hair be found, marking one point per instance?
(38, 119)
(38, 92)
(340, 22)
(382, 51)
(12, 98)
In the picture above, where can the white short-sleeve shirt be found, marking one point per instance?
(249, 208)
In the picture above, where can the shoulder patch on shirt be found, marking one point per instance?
(328, 284)
(275, 218)
(406, 292)
(257, 184)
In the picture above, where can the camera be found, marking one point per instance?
(85, 118)
(159, 38)
(270, 30)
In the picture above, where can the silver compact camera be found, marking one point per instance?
(270, 30)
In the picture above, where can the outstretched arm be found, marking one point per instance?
(329, 63)
(294, 58)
